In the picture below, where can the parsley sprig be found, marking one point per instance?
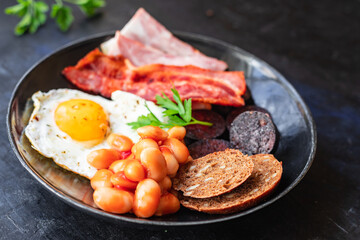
(178, 113)
(33, 13)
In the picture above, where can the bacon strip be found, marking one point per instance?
(143, 28)
(103, 74)
(149, 36)
(141, 55)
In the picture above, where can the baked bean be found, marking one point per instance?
(113, 200)
(133, 149)
(101, 179)
(188, 159)
(125, 155)
(121, 180)
(154, 163)
(179, 149)
(165, 185)
(168, 204)
(143, 144)
(177, 132)
(147, 197)
(124, 188)
(172, 164)
(119, 165)
(102, 158)
(134, 171)
(119, 142)
(131, 156)
(152, 132)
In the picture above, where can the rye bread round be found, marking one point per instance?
(204, 147)
(253, 132)
(213, 174)
(263, 180)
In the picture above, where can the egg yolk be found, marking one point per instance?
(82, 120)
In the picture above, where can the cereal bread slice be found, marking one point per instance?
(213, 174)
(263, 180)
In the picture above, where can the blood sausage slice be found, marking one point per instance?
(253, 132)
(197, 131)
(206, 146)
(236, 112)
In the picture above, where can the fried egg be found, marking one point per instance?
(66, 125)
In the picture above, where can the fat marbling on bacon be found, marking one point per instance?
(143, 34)
(100, 73)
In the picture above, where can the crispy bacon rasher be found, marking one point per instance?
(100, 73)
(140, 54)
(143, 40)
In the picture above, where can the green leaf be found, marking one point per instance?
(19, 9)
(90, 6)
(39, 16)
(77, 2)
(41, 6)
(177, 99)
(151, 115)
(165, 102)
(169, 112)
(172, 112)
(32, 15)
(141, 122)
(34, 26)
(42, 18)
(20, 30)
(25, 21)
(176, 121)
(54, 10)
(188, 112)
(63, 16)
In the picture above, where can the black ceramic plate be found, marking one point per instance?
(269, 88)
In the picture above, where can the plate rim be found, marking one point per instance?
(198, 37)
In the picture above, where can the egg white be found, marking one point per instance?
(46, 137)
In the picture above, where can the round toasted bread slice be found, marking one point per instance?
(263, 180)
(213, 174)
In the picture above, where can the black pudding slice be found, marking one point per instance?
(233, 114)
(253, 132)
(198, 132)
(206, 146)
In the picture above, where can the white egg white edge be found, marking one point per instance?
(118, 97)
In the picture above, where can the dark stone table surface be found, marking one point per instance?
(314, 44)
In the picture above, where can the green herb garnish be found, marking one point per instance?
(178, 113)
(33, 13)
